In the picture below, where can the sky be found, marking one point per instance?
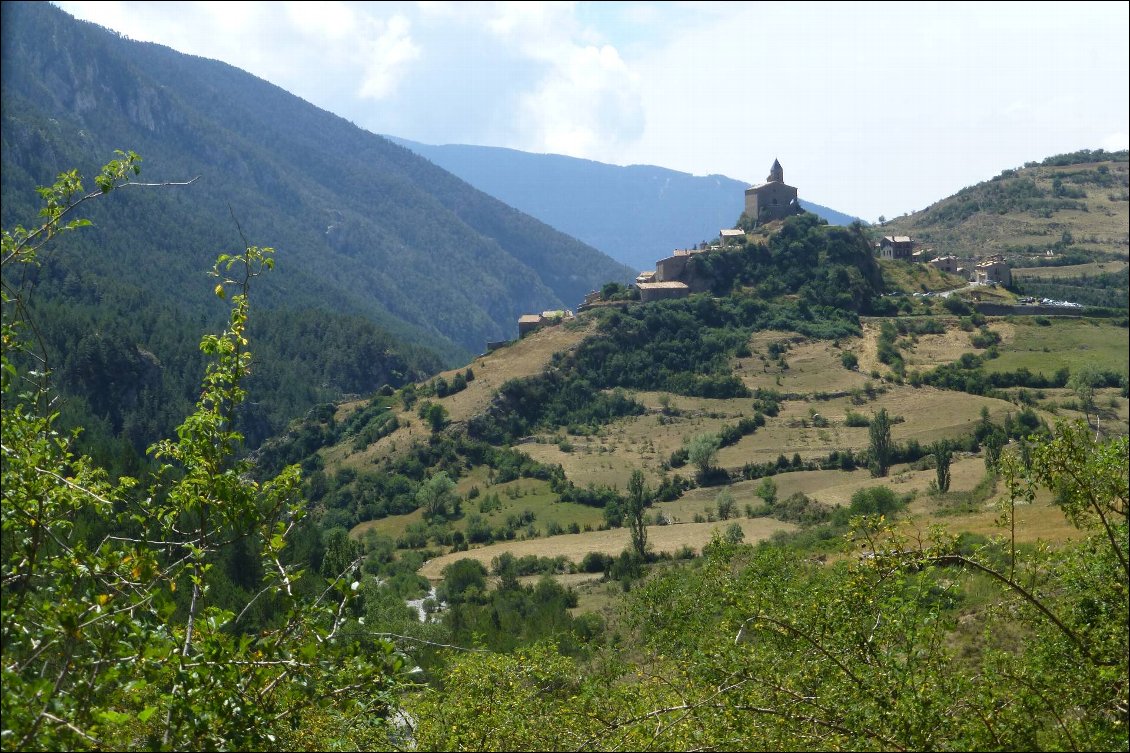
(873, 109)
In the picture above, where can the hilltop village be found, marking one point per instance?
(771, 201)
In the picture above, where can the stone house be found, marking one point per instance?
(948, 263)
(729, 235)
(674, 267)
(993, 269)
(527, 323)
(896, 247)
(657, 291)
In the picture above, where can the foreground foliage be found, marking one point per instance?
(112, 636)
(909, 644)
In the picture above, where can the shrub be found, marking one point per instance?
(596, 562)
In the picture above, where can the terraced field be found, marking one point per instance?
(819, 393)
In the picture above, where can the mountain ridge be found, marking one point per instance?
(377, 199)
(634, 213)
(402, 266)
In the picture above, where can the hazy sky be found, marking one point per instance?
(872, 108)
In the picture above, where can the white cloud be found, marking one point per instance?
(331, 21)
(871, 107)
(385, 58)
(587, 105)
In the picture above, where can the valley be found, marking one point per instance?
(806, 484)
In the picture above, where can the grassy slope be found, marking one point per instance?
(813, 368)
(1072, 270)
(1101, 228)
(1068, 343)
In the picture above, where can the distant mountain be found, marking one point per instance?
(384, 259)
(635, 214)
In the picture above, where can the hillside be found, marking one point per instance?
(556, 424)
(1067, 209)
(635, 214)
(386, 261)
(813, 396)
(624, 531)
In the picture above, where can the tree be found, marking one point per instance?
(767, 490)
(702, 450)
(874, 500)
(436, 496)
(943, 456)
(1083, 383)
(612, 290)
(464, 578)
(437, 417)
(992, 444)
(726, 505)
(111, 637)
(638, 498)
(342, 553)
(882, 449)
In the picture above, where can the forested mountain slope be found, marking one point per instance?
(376, 247)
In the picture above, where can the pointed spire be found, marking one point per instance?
(776, 173)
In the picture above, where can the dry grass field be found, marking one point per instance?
(1040, 521)
(1068, 344)
(811, 423)
(1074, 270)
(644, 442)
(526, 357)
(913, 277)
(575, 546)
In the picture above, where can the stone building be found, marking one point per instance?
(673, 267)
(896, 247)
(731, 235)
(656, 291)
(948, 263)
(993, 269)
(773, 199)
(527, 323)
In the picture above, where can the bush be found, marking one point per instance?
(596, 562)
(876, 500)
(985, 338)
(801, 509)
(956, 306)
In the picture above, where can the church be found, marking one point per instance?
(773, 199)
